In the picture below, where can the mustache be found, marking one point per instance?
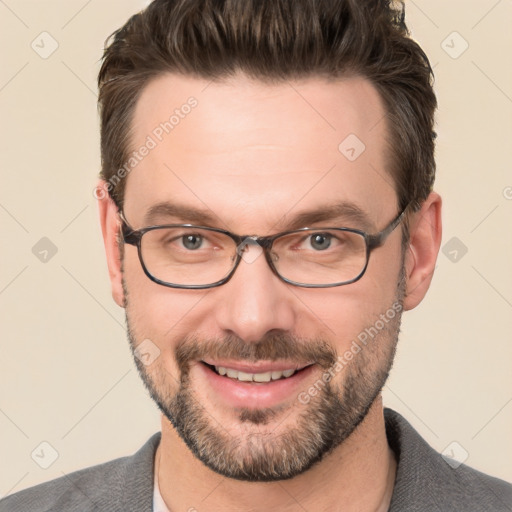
(272, 347)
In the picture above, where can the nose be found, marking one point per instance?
(254, 301)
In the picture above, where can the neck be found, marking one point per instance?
(358, 475)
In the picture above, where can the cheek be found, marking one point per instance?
(157, 312)
(337, 313)
(341, 313)
(159, 319)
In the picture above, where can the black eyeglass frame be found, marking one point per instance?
(372, 241)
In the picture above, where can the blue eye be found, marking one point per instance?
(320, 241)
(192, 242)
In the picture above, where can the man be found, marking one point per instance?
(267, 210)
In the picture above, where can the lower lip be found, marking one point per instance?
(255, 395)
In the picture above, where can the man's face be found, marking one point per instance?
(252, 158)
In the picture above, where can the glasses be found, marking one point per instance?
(198, 257)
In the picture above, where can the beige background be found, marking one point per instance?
(67, 377)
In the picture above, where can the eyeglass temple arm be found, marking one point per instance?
(378, 239)
(128, 234)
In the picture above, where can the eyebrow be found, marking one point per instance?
(186, 214)
(342, 214)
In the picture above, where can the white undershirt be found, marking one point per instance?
(158, 502)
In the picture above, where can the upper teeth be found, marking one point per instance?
(256, 377)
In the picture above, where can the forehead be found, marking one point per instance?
(253, 153)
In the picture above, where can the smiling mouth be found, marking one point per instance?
(260, 378)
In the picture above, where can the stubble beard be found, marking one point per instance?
(260, 453)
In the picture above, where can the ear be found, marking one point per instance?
(420, 259)
(110, 228)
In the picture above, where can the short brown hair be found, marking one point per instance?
(275, 40)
